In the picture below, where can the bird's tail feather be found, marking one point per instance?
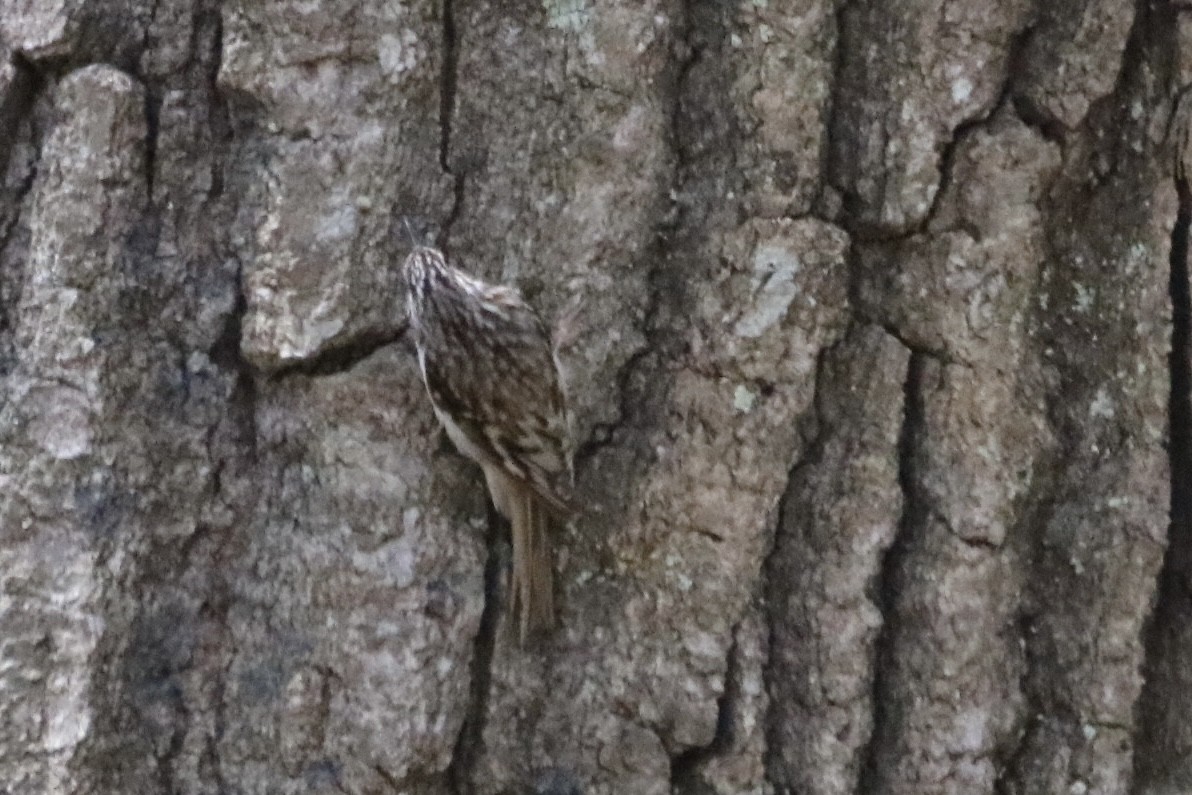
(532, 584)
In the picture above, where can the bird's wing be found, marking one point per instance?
(502, 391)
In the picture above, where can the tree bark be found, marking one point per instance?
(878, 346)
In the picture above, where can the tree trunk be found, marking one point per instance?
(878, 351)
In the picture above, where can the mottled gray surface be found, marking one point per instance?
(867, 310)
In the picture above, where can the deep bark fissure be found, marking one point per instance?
(153, 102)
(226, 353)
(469, 745)
(448, 79)
(18, 204)
(914, 513)
(968, 127)
(1010, 759)
(7, 231)
(16, 105)
(632, 405)
(686, 766)
(774, 582)
(1038, 512)
(146, 32)
(447, 83)
(1030, 114)
(831, 111)
(1174, 605)
(216, 607)
(1180, 417)
(152, 115)
(690, 56)
(219, 119)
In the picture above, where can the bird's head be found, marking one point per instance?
(423, 267)
(423, 258)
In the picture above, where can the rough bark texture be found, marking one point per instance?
(879, 351)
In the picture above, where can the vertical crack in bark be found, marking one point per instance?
(447, 81)
(242, 403)
(153, 102)
(447, 98)
(9, 225)
(1174, 596)
(469, 744)
(832, 114)
(226, 354)
(777, 584)
(152, 114)
(16, 105)
(888, 585)
(685, 768)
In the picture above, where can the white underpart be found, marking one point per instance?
(493, 476)
(459, 438)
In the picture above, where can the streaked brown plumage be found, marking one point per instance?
(491, 375)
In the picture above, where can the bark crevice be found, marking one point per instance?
(448, 80)
(686, 766)
(773, 583)
(469, 745)
(26, 86)
(914, 514)
(226, 353)
(1174, 596)
(152, 116)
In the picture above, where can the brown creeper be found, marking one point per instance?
(493, 381)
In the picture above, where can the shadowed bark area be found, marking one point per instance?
(877, 337)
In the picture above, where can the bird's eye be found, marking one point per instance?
(532, 287)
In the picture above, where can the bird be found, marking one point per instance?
(493, 380)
